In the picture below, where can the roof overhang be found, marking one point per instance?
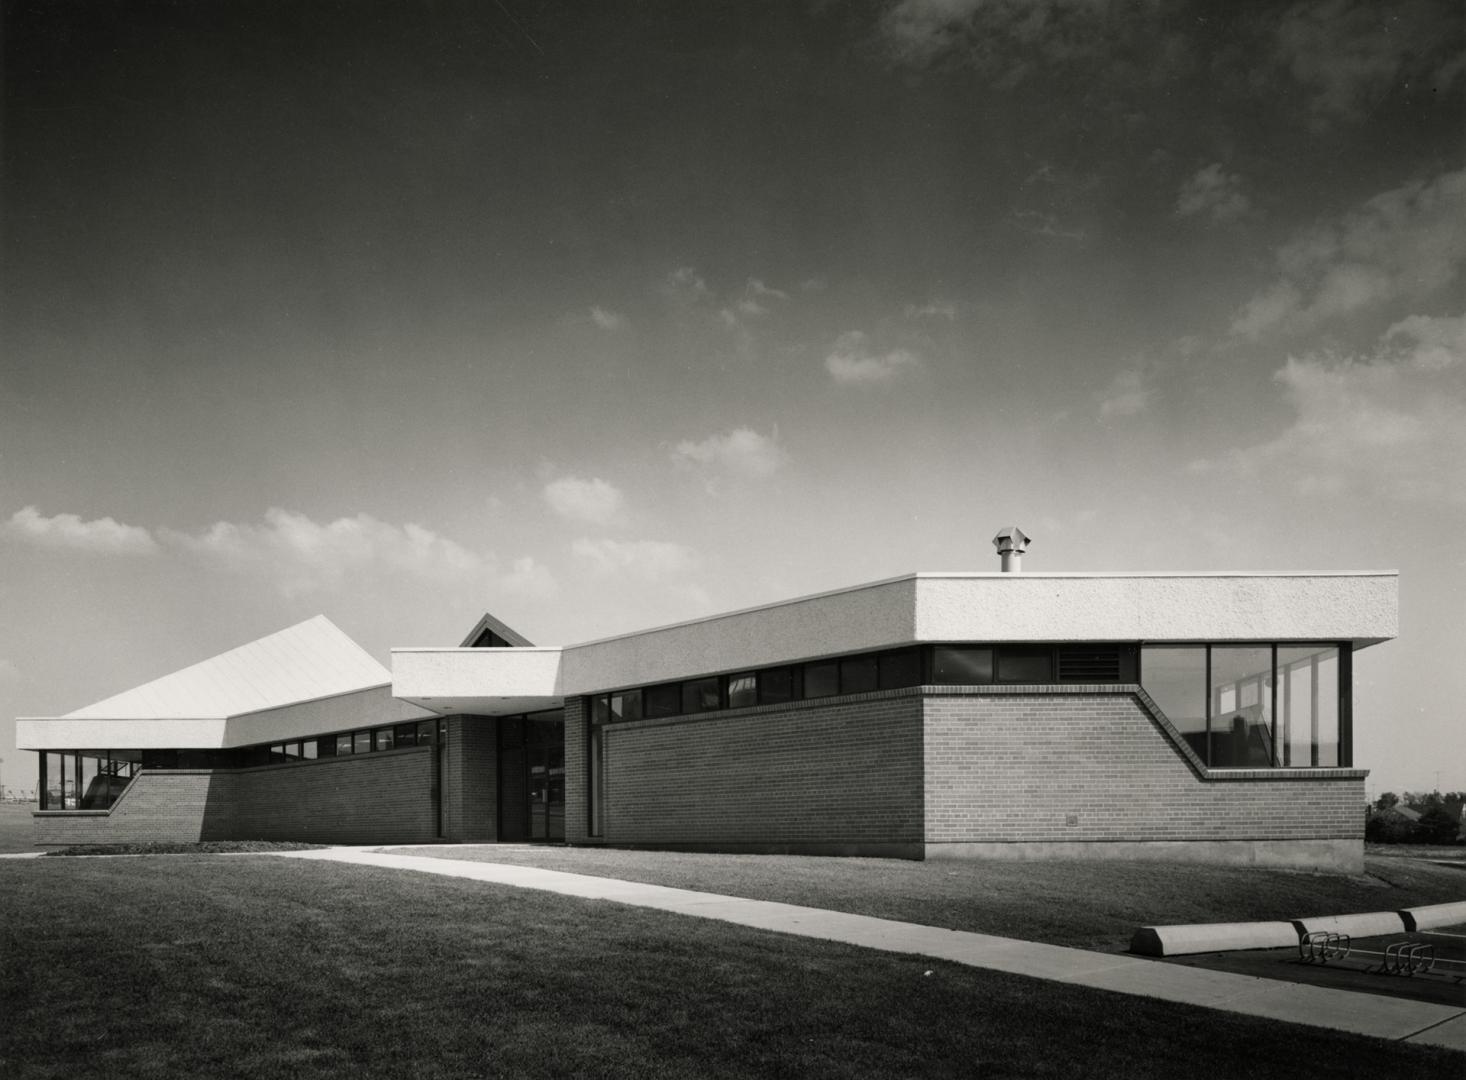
(1360, 608)
(486, 682)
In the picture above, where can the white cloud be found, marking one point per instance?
(932, 309)
(1042, 223)
(852, 362)
(650, 560)
(592, 500)
(607, 319)
(101, 536)
(1391, 425)
(1406, 243)
(686, 285)
(302, 555)
(1349, 54)
(752, 303)
(529, 578)
(740, 452)
(1129, 394)
(1011, 41)
(1214, 194)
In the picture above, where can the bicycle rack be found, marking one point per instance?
(1408, 957)
(1321, 946)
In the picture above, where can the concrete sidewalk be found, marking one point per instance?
(1297, 1003)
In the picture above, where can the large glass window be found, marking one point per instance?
(1308, 704)
(595, 757)
(84, 779)
(345, 744)
(1175, 678)
(1260, 706)
(961, 665)
(384, 738)
(1242, 706)
(361, 742)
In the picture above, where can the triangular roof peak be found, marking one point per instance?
(489, 625)
(312, 659)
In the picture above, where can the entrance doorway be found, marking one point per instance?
(532, 777)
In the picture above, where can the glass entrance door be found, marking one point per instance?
(545, 754)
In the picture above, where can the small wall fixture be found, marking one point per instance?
(1011, 543)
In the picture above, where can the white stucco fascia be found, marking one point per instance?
(485, 681)
(367, 707)
(1362, 608)
(928, 607)
(158, 733)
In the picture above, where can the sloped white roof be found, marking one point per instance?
(310, 660)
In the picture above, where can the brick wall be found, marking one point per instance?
(473, 779)
(1099, 766)
(813, 776)
(170, 806)
(577, 810)
(383, 797)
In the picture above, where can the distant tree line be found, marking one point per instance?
(1415, 818)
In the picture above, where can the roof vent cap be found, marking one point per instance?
(1011, 543)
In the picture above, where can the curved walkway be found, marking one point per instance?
(1297, 1003)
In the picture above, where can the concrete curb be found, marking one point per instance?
(1367, 924)
(1186, 938)
(1428, 916)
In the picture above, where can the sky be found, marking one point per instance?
(601, 316)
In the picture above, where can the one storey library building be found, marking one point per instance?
(1189, 717)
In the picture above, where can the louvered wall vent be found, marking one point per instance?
(1089, 665)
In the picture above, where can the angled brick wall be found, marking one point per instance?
(836, 776)
(170, 806)
(1096, 766)
(383, 797)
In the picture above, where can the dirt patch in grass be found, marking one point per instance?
(206, 847)
(266, 967)
(1094, 905)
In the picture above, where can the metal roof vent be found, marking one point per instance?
(1011, 543)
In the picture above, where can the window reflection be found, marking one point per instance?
(1261, 707)
(1175, 678)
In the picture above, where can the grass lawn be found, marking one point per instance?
(1417, 851)
(17, 830)
(167, 847)
(258, 966)
(1094, 905)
